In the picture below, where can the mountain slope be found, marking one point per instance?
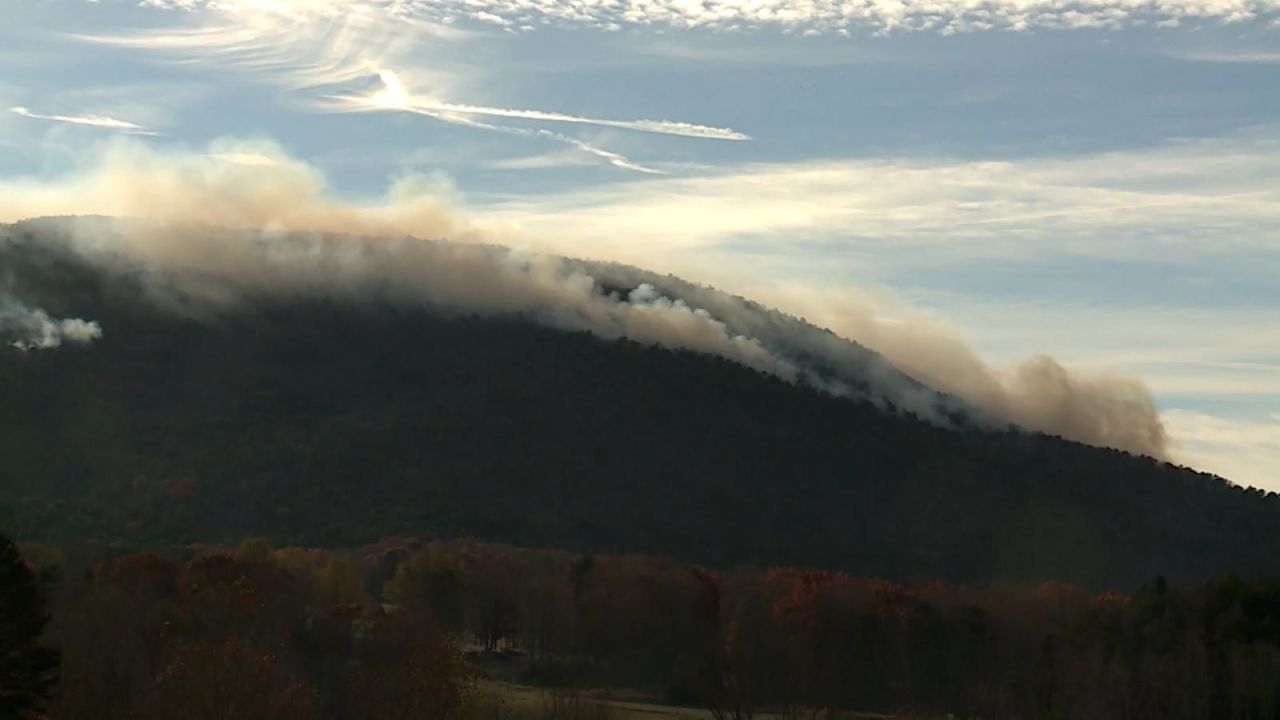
(338, 420)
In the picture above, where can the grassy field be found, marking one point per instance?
(536, 699)
(533, 702)
(511, 697)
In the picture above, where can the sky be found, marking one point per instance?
(1097, 180)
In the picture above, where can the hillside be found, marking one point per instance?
(339, 420)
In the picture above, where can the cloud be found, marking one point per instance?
(97, 121)
(1260, 58)
(393, 97)
(1247, 450)
(181, 194)
(245, 158)
(542, 161)
(830, 16)
(585, 148)
(661, 127)
(1115, 205)
(322, 47)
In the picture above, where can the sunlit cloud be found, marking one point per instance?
(613, 158)
(319, 45)
(255, 159)
(1247, 451)
(832, 16)
(542, 161)
(1105, 205)
(394, 96)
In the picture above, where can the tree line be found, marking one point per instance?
(409, 629)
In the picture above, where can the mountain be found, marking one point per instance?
(210, 410)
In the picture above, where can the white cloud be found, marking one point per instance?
(1195, 198)
(831, 16)
(255, 159)
(1246, 451)
(394, 97)
(328, 47)
(96, 121)
(1234, 350)
(584, 148)
(662, 127)
(543, 161)
(1264, 58)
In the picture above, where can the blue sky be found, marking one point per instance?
(1096, 180)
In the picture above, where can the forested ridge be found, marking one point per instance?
(337, 422)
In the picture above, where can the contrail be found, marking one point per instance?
(98, 121)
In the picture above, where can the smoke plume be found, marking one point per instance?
(1098, 408)
(28, 328)
(244, 221)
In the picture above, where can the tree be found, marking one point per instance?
(213, 680)
(430, 581)
(28, 669)
(254, 550)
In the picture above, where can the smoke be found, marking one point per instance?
(233, 184)
(28, 328)
(184, 200)
(288, 237)
(1100, 408)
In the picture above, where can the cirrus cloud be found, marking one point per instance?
(946, 16)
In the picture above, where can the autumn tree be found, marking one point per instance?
(430, 582)
(228, 679)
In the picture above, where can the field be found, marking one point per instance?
(536, 700)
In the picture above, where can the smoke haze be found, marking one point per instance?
(291, 238)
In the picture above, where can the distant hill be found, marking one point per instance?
(337, 421)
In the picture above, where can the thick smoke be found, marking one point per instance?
(243, 185)
(27, 328)
(293, 240)
(1100, 408)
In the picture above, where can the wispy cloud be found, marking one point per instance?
(1234, 351)
(613, 158)
(946, 16)
(542, 161)
(1200, 197)
(1257, 57)
(322, 45)
(97, 121)
(662, 127)
(394, 97)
